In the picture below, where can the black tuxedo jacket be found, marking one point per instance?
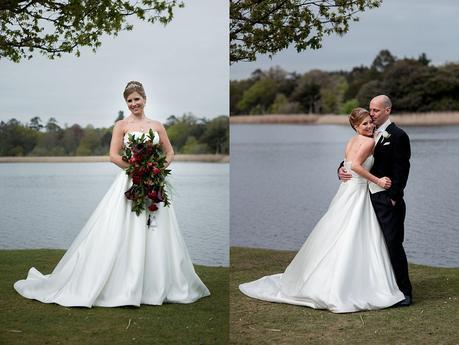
(392, 159)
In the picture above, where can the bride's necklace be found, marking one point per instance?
(142, 127)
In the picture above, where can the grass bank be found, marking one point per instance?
(78, 159)
(432, 319)
(26, 321)
(411, 119)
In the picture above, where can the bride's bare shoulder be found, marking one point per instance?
(366, 140)
(120, 125)
(351, 140)
(155, 124)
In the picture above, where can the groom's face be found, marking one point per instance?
(378, 112)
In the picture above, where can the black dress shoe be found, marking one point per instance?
(404, 303)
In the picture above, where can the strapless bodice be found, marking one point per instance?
(138, 134)
(367, 164)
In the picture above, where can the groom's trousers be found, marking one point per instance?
(392, 219)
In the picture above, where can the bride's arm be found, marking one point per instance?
(116, 144)
(166, 145)
(362, 154)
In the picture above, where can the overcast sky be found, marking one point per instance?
(407, 28)
(183, 66)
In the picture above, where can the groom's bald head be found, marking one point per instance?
(384, 100)
(380, 108)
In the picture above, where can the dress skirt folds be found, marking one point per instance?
(117, 260)
(343, 266)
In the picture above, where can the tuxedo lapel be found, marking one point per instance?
(388, 130)
(390, 127)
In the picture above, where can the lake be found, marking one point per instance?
(45, 205)
(283, 178)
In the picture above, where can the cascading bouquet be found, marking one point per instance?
(147, 171)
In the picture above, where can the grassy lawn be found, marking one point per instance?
(432, 319)
(26, 321)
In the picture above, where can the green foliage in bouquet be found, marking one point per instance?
(148, 172)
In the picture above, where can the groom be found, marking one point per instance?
(392, 159)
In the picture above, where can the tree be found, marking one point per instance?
(171, 120)
(71, 139)
(307, 92)
(279, 104)
(267, 27)
(52, 126)
(237, 88)
(16, 139)
(368, 91)
(356, 79)
(55, 27)
(183, 127)
(258, 98)
(413, 84)
(193, 146)
(332, 89)
(216, 135)
(423, 59)
(383, 60)
(89, 142)
(405, 83)
(35, 124)
(120, 116)
(347, 107)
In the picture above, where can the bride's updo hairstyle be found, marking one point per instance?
(134, 86)
(357, 116)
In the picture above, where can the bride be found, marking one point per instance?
(116, 259)
(344, 265)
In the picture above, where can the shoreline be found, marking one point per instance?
(63, 250)
(408, 119)
(204, 158)
(292, 253)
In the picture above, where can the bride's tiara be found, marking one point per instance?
(133, 84)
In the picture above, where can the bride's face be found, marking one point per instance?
(366, 127)
(135, 103)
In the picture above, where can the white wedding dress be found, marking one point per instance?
(343, 266)
(117, 260)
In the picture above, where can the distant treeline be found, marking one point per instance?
(414, 85)
(188, 134)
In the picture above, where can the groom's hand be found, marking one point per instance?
(344, 175)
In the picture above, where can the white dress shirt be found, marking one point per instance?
(374, 188)
(380, 130)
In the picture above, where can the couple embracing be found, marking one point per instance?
(354, 258)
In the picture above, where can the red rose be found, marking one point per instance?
(160, 196)
(138, 156)
(150, 165)
(129, 194)
(149, 149)
(153, 195)
(142, 171)
(132, 160)
(153, 207)
(136, 179)
(156, 171)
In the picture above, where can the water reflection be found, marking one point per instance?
(44, 205)
(284, 176)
